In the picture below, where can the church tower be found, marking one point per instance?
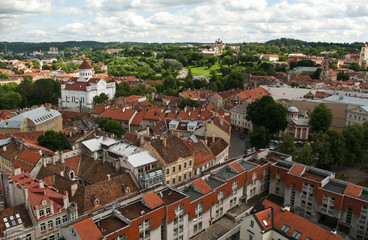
(325, 70)
(85, 72)
(363, 58)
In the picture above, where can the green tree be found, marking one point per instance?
(53, 141)
(266, 112)
(99, 99)
(259, 137)
(354, 143)
(343, 76)
(337, 146)
(112, 126)
(321, 147)
(355, 66)
(234, 80)
(4, 76)
(287, 144)
(189, 79)
(316, 74)
(321, 118)
(188, 102)
(306, 155)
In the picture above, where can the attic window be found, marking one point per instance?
(265, 223)
(285, 228)
(296, 235)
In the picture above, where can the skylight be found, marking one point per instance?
(265, 223)
(296, 235)
(285, 228)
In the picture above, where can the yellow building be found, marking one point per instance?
(176, 157)
(12, 80)
(39, 119)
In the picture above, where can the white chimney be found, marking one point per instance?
(41, 184)
(108, 177)
(4, 148)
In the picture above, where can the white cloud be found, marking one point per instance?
(195, 20)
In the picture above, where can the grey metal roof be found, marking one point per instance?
(226, 173)
(335, 186)
(304, 69)
(37, 116)
(193, 195)
(213, 182)
(4, 142)
(347, 100)
(247, 165)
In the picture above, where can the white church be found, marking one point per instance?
(77, 94)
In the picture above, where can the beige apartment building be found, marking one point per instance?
(176, 157)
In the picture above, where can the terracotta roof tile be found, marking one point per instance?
(12, 211)
(253, 94)
(297, 169)
(174, 149)
(85, 65)
(119, 113)
(201, 153)
(87, 230)
(27, 160)
(202, 186)
(353, 190)
(153, 200)
(219, 146)
(237, 167)
(265, 218)
(297, 223)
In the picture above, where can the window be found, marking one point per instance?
(250, 236)
(57, 221)
(48, 210)
(51, 237)
(173, 181)
(173, 169)
(190, 163)
(50, 224)
(167, 171)
(296, 235)
(285, 228)
(179, 167)
(28, 237)
(43, 227)
(42, 213)
(185, 165)
(251, 223)
(65, 218)
(185, 176)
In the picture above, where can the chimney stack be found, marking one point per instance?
(164, 141)
(108, 177)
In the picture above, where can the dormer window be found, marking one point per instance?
(42, 213)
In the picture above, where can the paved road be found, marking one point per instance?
(237, 145)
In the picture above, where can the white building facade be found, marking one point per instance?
(77, 94)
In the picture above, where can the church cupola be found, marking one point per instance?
(85, 71)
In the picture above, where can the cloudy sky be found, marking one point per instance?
(183, 20)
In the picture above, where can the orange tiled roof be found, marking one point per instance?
(27, 160)
(137, 120)
(87, 230)
(201, 153)
(297, 169)
(118, 113)
(253, 94)
(353, 190)
(202, 186)
(85, 65)
(297, 223)
(237, 167)
(265, 217)
(153, 200)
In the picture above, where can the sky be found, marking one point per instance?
(233, 21)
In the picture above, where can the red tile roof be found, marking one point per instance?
(99, 109)
(153, 200)
(87, 230)
(297, 169)
(202, 186)
(253, 94)
(202, 154)
(265, 218)
(237, 167)
(353, 190)
(27, 160)
(118, 113)
(296, 223)
(138, 118)
(85, 65)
